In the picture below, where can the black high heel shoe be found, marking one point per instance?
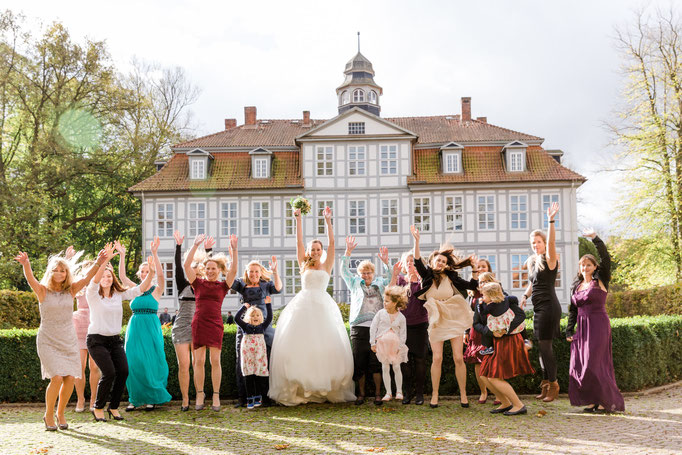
(62, 426)
(112, 416)
(98, 419)
(464, 405)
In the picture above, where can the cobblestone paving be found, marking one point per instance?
(651, 425)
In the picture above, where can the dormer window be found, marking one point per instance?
(452, 158)
(359, 96)
(261, 163)
(515, 156)
(373, 97)
(345, 97)
(356, 127)
(198, 164)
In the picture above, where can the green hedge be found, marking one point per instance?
(647, 352)
(645, 302)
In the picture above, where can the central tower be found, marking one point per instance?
(358, 88)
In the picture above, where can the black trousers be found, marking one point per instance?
(110, 358)
(414, 370)
(256, 386)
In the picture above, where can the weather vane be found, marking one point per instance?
(358, 42)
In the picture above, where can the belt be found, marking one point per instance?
(144, 311)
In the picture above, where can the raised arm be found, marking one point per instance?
(180, 280)
(331, 247)
(147, 282)
(275, 273)
(189, 272)
(39, 289)
(239, 317)
(234, 263)
(80, 284)
(346, 274)
(415, 235)
(109, 254)
(125, 281)
(300, 246)
(160, 279)
(395, 273)
(552, 210)
(604, 273)
(383, 257)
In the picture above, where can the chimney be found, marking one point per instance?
(249, 115)
(230, 123)
(482, 119)
(306, 117)
(466, 108)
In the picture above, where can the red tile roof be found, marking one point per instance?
(228, 171)
(434, 129)
(486, 165)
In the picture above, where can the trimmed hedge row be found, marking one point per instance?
(646, 302)
(647, 351)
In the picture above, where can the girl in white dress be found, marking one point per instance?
(311, 358)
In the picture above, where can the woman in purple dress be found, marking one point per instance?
(591, 379)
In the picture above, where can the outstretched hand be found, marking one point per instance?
(101, 257)
(119, 247)
(383, 254)
(415, 232)
(198, 239)
(273, 264)
(397, 268)
(110, 252)
(179, 238)
(69, 253)
(327, 212)
(552, 210)
(350, 244)
(209, 242)
(155, 245)
(22, 258)
(234, 241)
(297, 213)
(589, 233)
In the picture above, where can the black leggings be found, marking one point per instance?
(256, 385)
(414, 371)
(547, 360)
(110, 358)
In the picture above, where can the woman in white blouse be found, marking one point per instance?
(105, 296)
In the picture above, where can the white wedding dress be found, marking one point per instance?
(311, 359)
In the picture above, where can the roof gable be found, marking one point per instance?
(338, 126)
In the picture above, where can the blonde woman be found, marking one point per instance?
(255, 287)
(311, 359)
(56, 341)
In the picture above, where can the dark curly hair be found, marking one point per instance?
(454, 261)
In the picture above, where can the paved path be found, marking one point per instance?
(651, 425)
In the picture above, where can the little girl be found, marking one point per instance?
(253, 352)
(387, 336)
(504, 314)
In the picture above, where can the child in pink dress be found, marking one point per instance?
(387, 336)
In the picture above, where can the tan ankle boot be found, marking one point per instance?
(544, 385)
(552, 392)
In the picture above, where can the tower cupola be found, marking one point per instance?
(358, 88)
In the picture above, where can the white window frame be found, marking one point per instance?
(486, 217)
(389, 216)
(388, 159)
(547, 200)
(519, 271)
(292, 277)
(422, 213)
(321, 223)
(358, 95)
(518, 212)
(345, 97)
(198, 168)
(196, 222)
(492, 258)
(357, 217)
(357, 160)
(453, 163)
(454, 213)
(260, 214)
(228, 224)
(355, 128)
(289, 226)
(373, 97)
(324, 157)
(165, 224)
(261, 166)
(168, 278)
(515, 161)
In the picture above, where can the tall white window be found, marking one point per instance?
(389, 159)
(168, 278)
(321, 225)
(357, 159)
(547, 200)
(345, 97)
(261, 168)
(373, 97)
(325, 160)
(164, 219)
(292, 277)
(453, 163)
(389, 215)
(356, 127)
(422, 214)
(261, 218)
(357, 217)
(198, 168)
(197, 218)
(519, 271)
(358, 96)
(289, 227)
(516, 161)
(492, 259)
(228, 218)
(454, 213)
(486, 212)
(518, 211)
(557, 282)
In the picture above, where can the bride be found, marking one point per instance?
(311, 359)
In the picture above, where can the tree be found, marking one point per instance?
(649, 130)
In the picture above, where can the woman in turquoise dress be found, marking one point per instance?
(147, 366)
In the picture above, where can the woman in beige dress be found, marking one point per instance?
(450, 316)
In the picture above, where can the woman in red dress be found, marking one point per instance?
(207, 324)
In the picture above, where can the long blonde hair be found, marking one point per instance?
(265, 274)
(221, 261)
(197, 262)
(534, 263)
(47, 279)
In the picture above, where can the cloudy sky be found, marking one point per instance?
(545, 68)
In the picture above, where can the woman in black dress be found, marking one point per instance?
(542, 272)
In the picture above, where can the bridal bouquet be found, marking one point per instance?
(300, 203)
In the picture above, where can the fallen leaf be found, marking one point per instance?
(376, 449)
(541, 413)
(281, 446)
(440, 438)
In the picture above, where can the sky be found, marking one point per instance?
(550, 69)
